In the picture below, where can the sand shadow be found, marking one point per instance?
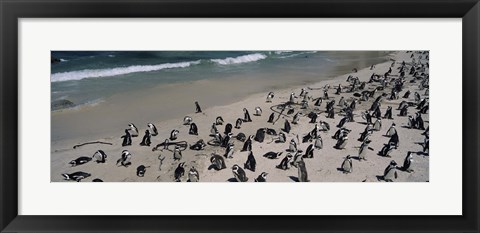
(294, 178)
(380, 178)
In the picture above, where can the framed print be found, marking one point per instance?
(239, 116)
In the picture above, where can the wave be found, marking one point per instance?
(295, 54)
(241, 59)
(63, 60)
(98, 73)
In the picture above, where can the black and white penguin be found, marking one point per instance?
(219, 120)
(177, 153)
(318, 142)
(197, 107)
(377, 126)
(272, 155)
(193, 175)
(127, 138)
(229, 150)
(214, 129)
(193, 129)
(309, 152)
(258, 111)
(100, 156)
(419, 121)
(251, 163)
(260, 135)
(341, 143)
(287, 127)
(342, 122)
(146, 141)
(390, 172)
(391, 131)
(407, 94)
(133, 130)
(262, 177)
(388, 113)
(347, 165)
(173, 135)
(386, 150)
(313, 117)
(318, 102)
(285, 163)
(125, 159)
(247, 146)
(179, 172)
(238, 123)
(324, 125)
(404, 111)
(80, 161)
(296, 118)
(228, 128)
(246, 116)
(270, 97)
(271, 118)
(282, 138)
(362, 151)
(76, 176)
(302, 171)
(153, 129)
(293, 146)
(187, 120)
(407, 163)
(239, 174)
(394, 140)
(141, 170)
(218, 163)
(199, 145)
(411, 122)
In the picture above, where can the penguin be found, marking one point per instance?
(153, 129)
(292, 98)
(179, 172)
(228, 128)
(388, 113)
(340, 133)
(80, 161)
(258, 111)
(342, 122)
(250, 164)
(347, 165)
(272, 155)
(262, 177)
(391, 131)
(341, 102)
(309, 152)
(297, 157)
(177, 153)
(239, 174)
(100, 156)
(270, 97)
(331, 114)
(219, 120)
(318, 102)
(313, 117)
(193, 175)
(125, 159)
(76, 176)
(284, 164)
(419, 122)
(296, 118)
(406, 95)
(160, 158)
(362, 151)
(146, 141)
(214, 129)
(377, 126)
(302, 171)
(287, 127)
(353, 105)
(193, 129)
(404, 111)
(218, 163)
(246, 117)
(238, 123)
(407, 163)
(411, 122)
(260, 135)
(293, 146)
(173, 135)
(197, 107)
(390, 172)
(271, 117)
(199, 145)
(325, 94)
(127, 138)
(141, 170)
(133, 130)
(386, 150)
(282, 138)
(290, 110)
(426, 144)
(247, 146)
(318, 142)
(341, 143)
(229, 151)
(187, 120)
(325, 126)
(394, 140)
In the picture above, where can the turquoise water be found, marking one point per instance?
(88, 77)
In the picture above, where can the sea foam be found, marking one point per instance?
(240, 59)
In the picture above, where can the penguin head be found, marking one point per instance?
(264, 175)
(393, 163)
(235, 168)
(73, 163)
(66, 176)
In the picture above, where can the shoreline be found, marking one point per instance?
(322, 168)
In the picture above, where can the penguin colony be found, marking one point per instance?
(392, 99)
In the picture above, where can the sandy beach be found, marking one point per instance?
(325, 166)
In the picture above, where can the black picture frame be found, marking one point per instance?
(11, 11)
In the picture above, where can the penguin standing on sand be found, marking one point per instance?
(407, 163)
(390, 172)
(262, 177)
(270, 97)
(193, 129)
(79, 161)
(238, 123)
(125, 158)
(177, 153)
(133, 130)
(179, 172)
(258, 111)
(394, 140)
(218, 163)
(239, 174)
(302, 171)
(251, 163)
(309, 152)
(197, 107)
(287, 126)
(271, 117)
(347, 165)
(285, 163)
(246, 116)
(173, 135)
(391, 131)
(229, 151)
(219, 120)
(341, 142)
(362, 152)
(386, 150)
(193, 175)
(100, 156)
(153, 129)
(141, 170)
(419, 121)
(214, 129)
(377, 126)
(146, 141)
(187, 120)
(260, 135)
(247, 146)
(228, 128)
(127, 138)
(293, 146)
(319, 142)
(388, 113)
(296, 118)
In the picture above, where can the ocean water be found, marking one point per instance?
(91, 77)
